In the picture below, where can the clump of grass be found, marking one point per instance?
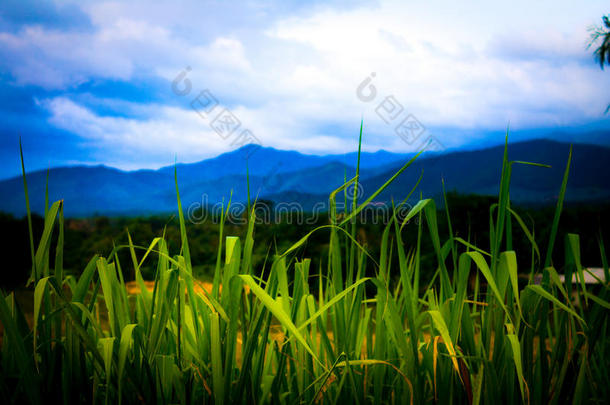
(287, 333)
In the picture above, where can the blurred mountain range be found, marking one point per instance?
(292, 177)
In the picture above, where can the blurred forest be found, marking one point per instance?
(469, 219)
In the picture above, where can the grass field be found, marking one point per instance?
(285, 332)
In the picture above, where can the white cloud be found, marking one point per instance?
(178, 132)
(131, 143)
(292, 78)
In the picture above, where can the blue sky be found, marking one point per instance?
(91, 82)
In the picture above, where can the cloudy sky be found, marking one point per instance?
(99, 82)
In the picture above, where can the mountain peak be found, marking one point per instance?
(87, 190)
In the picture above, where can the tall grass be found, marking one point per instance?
(289, 333)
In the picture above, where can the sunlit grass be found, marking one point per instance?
(289, 333)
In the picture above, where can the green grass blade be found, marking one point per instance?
(278, 311)
(380, 189)
(34, 275)
(558, 209)
(545, 294)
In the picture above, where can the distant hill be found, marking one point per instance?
(478, 172)
(287, 176)
(265, 161)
